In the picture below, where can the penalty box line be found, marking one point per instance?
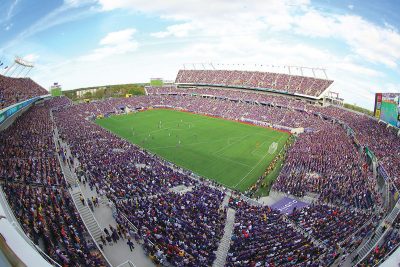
(256, 165)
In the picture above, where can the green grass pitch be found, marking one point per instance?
(232, 153)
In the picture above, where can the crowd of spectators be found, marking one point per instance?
(322, 161)
(185, 228)
(252, 79)
(65, 239)
(326, 162)
(35, 141)
(262, 237)
(14, 90)
(375, 135)
(390, 242)
(233, 94)
(27, 152)
(383, 141)
(331, 225)
(112, 173)
(225, 108)
(37, 192)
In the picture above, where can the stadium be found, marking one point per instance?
(226, 165)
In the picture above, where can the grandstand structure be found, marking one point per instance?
(335, 201)
(16, 90)
(287, 81)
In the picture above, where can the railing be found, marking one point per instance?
(132, 225)
(87, 228)
(356, 232)
(387, 255)
(388, 219)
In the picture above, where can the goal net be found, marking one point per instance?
(272, 148)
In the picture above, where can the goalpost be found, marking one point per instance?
(272, 148)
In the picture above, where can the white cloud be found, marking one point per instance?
(377, 44)
(374, 43)
(69, 11)
(351, 7)
(355, 51)
(10, 12)
(177, 30)
(114, 38)
(314, 24)
(114, 43)
(352, 80)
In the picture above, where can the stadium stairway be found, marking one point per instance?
(87, 217)
(225, 202)
(71, 180)
(225, 243)
(85, 213)
(380, 232)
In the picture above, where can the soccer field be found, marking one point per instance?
(231, 153)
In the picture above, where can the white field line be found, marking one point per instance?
(234, 161)
(230, 144)
(258, 148)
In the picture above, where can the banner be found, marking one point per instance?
(287, 205)
(9, 111)
(378, 105)
(266, 124)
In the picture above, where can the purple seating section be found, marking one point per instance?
(291, 84)
(14, 90)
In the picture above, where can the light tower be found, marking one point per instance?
(19, 68)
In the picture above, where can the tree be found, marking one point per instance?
(99, 94)
(87, 95)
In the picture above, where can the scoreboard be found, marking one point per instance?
(387, 108)
(156, 81)
(55, 90)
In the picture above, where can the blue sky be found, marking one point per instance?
(93, 42)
